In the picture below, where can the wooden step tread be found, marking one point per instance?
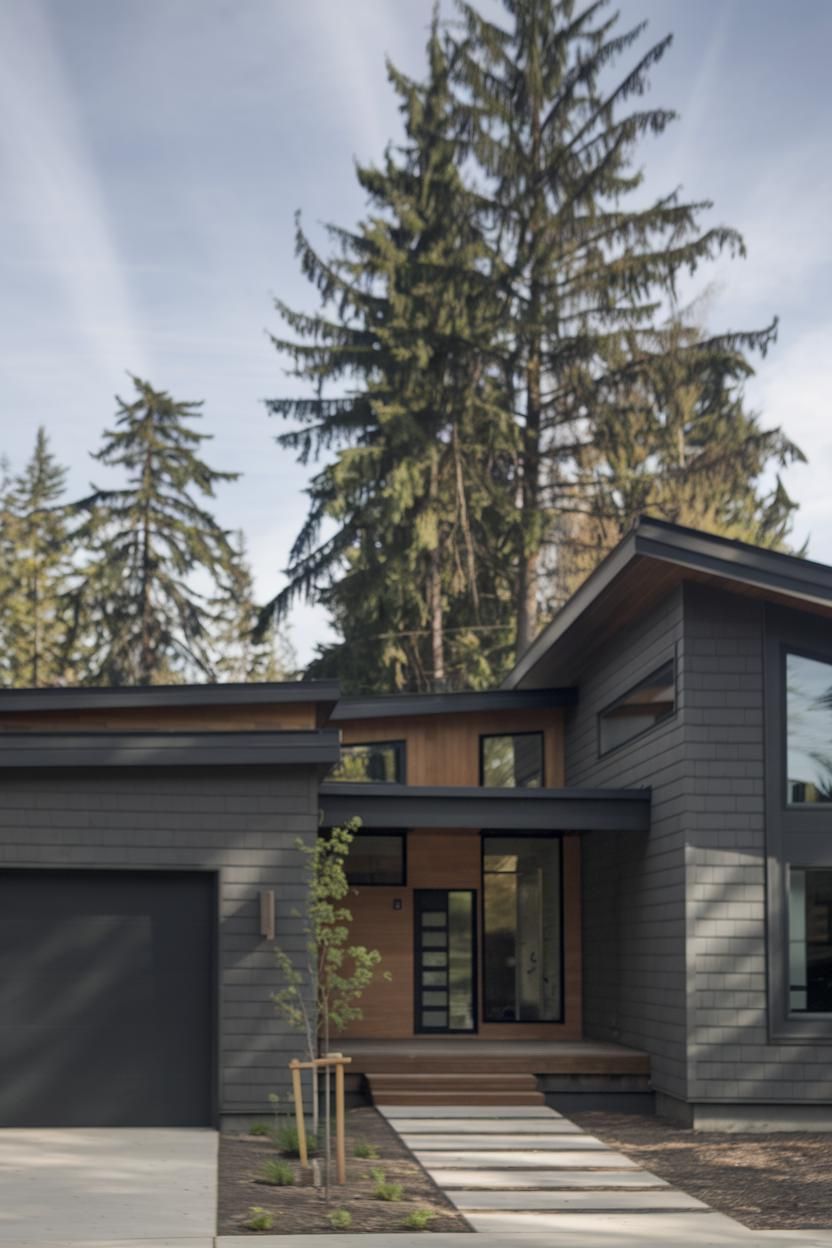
(510, 1080)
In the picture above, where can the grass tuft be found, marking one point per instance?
(418, 1219)
(384, 1190)
(366, 1150)
(278, 1174)
(259, 1219)
(340, 1219)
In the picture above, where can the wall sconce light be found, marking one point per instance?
(267, 913)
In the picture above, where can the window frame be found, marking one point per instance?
(399, 745)
(386, 834)
(526, 732)
(797, 836)
(657, 723)
(530, 835)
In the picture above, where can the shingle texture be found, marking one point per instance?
(243, 824)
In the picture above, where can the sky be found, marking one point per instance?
(153, 154)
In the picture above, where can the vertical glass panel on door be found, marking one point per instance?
(522, 929)
(808, 730)
(444, 960)
(810, 940)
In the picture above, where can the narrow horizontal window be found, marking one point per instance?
(513, 761)
(645, 705)
(810, 941)
(808, 730)
(373, 762)
(377, 858)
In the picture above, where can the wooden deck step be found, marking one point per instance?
(444, 1088)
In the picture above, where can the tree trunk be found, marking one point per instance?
(437, 631)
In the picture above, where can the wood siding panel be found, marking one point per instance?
(445, 749)
(291, 717)
(450, 858)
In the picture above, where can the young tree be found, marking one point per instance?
(414, 497)
(321, 996)
(138, 612)
(581, 265)
(37, 563)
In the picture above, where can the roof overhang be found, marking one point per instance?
(123, 697)
(385, 706)
(509, 810)
(652, 560)
(168, 749)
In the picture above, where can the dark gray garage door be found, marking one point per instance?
(106, 998)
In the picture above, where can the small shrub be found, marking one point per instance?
(259, 1219)
(384, 1190)
(285, 1137)
(418, 1219)
(365, 1150)
(260, 1128)
(278, 1174)
(340, 1219)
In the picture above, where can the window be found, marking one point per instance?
(377, 858)
(376, 762)
(808, 730)
(522, 929)
(810, 941)
(647, 704)
(513, 761)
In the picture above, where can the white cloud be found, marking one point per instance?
(52, 196)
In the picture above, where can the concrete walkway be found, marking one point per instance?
(105, 1188)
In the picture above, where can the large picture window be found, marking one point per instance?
(810, 940)
(512, 761)
(808, 730)
(645, 705)
(372, 762)
(522, 929)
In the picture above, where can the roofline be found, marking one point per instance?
(508, 810)
(383, 706)
(319, 749)
(236, 694)
(736, 561)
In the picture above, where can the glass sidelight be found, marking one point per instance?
(522, 939)
(445, 950)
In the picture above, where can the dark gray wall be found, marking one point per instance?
(730, 1055)
(633, 885)
(241, 822)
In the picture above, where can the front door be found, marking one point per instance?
(445, 960)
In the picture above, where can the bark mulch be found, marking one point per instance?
(767, 1182)
(304, 1209)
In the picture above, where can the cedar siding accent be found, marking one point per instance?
(445, 749)
(450, 858)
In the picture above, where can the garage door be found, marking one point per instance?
(106, 998)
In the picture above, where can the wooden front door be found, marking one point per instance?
(445, 960)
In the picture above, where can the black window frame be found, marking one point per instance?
(527, 732)
(508, 833)
(622, 698)
(798, 836)
(385, 834)
(399, 745)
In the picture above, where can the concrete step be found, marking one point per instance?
(400, 1096)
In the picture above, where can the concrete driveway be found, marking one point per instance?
(105, 1187)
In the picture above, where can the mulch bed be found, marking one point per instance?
(767, 1182)
(303, 1208)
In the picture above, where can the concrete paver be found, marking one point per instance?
(521, 1159)
(595, 1201)
(508, 1180)
(508, 1127)
(610, 1224)
(550, 1143)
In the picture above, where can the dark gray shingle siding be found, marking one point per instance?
(244, 824)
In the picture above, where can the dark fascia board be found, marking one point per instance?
(386, 706)
(85, 699)
(726, 560)
(510, 810)
(168, 749)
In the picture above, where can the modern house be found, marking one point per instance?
(608, 882)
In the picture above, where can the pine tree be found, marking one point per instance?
(37, 561)
(580, 265)
(239, 654)
(138, 613)
(414, 495)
